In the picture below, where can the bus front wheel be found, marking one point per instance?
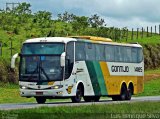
(77, 98)
(40, 100)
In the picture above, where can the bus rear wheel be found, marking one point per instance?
(123, 93)
(129, 93)
(40, 100)
(77, 98)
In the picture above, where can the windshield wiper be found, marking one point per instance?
(45, 74)
(30, 77)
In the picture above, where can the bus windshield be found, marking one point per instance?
(40, 68)
(41, 62)
(43, 48)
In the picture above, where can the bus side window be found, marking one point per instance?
(69, 59)
(128, 56)
(100, 52)
(140, 55)
(134, 55)
(80, 51)
(118, 55)
(90, 51)
(109, 53)
(122, 54)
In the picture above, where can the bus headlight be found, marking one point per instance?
(57, 86)
(23, 87)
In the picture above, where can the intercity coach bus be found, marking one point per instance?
(80, 66)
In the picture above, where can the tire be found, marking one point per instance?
(40, 100)
(123, 93)
(129, 94)
(78, 97)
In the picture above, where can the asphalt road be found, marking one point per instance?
(55, 104)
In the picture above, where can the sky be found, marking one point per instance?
(117, 13)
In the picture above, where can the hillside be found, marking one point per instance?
(19, 24)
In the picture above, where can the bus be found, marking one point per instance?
(79, 67)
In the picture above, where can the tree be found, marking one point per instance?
(22, 12)
(80, 23)
(23, 8)
(42, 18)
(95, 21)
(66, 17)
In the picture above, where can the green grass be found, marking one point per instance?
(155, 39)
(90, 111)
(10, 94)
(151, 88)
(155, 71)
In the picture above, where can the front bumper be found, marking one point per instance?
(43, 93)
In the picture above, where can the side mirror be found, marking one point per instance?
(19, 54)
(62, 59)
(13, 60)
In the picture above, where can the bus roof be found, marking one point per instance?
(50, 39)
(102, 40)
(92, 39)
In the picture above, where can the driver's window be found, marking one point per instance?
(69, 59)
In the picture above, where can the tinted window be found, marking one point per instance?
(90, 51)
(109, 53)
(119, 54)
(134, 55)
(128, 54)
(70, 59)
(80, 51)
(43, 48)
(70, 51)
(100, 52)
(140, 54)
(42, 68)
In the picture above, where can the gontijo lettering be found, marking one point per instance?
(120, 68)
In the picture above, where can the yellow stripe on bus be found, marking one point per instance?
(105, 72)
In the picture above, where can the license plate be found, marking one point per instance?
(39, 93)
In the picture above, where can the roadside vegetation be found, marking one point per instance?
(155, 71)
(10, 94)
(147, 110)
(151, 88)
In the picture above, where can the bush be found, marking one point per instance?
(6, 74)
(3, 72)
